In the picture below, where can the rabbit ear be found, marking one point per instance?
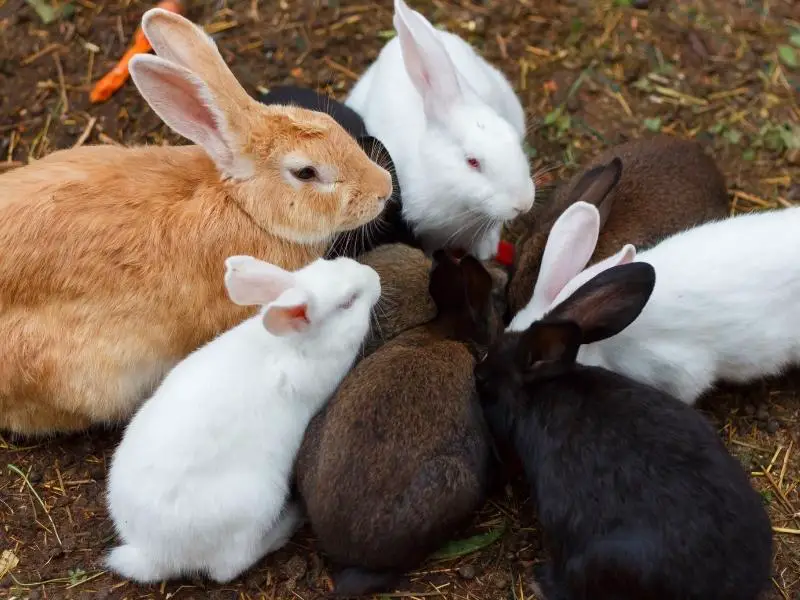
(623, 257)
(426, 60)
(608, 303)
(185, 103)
(287, 314)
(547, 348)
(595, 185)
(250, 281)
(178, 40)
(570, 245)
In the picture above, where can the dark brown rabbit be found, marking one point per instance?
(399, 459)
(405, 302)
(656, 186)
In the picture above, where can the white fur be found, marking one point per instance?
(725, 307)
(200, 481)
(433, 101)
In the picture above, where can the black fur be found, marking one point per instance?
(389, 227)
(636, 494)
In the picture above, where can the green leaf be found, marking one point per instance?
(788, 56)
(716, 128)
(653, 124)
(794, 40)
(734, 136)
(553, 115)
(387, 34)
(622, 2)
(749, 155)
(47, 13)
(458, 548)
(530, 150)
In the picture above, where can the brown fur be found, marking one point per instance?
(667, 185)
(405, 302)
(113, 258)
(398, 459)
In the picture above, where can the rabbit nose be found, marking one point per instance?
(522, 207)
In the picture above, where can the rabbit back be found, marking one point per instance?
(595, 438)
(667, 185)
(719, 311)
(293, 95)
(117, 282)
(202, 474)
(387, 471)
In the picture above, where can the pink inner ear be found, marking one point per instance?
(297, 313)
(186, 97)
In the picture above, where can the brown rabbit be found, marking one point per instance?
(400, 456)
(113, 258)
(663, 185)
(405, 302)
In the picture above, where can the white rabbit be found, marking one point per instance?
(726, 303)
(454, 128)
(200, 482)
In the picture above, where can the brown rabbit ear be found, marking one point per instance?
(478, 284)
(446, 285)
(595, 185)
(179, 41)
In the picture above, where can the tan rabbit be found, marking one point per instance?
(113, 258)
(656, 186)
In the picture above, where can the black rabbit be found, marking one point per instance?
(636, 494)
(389, 227)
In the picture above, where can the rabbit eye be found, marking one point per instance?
(305, 174)
(349, 302)
(474, 163)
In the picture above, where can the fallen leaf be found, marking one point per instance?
(458, 548)
(8, 560)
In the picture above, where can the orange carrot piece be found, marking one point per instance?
(117, 77)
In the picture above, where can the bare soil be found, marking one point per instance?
(591, 74)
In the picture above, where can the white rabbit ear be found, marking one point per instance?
(185, 103)
(570, 245)
(623, 257)
(288, 314)
(250, 281)
(426, 60)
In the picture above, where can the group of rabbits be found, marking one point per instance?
(350, 366)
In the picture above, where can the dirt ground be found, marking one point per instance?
(591, 74)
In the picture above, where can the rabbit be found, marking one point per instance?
(656, 186)
(389, 227)
(200, 481)
(720, 310)
(405, 302)
(635, 493)
(455, 130)
(400, 457)
(294, 95)
(99, 240)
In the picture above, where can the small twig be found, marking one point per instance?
(341, 68)
(16, 470)
(87, 131)
(61, 84)
(37, 55)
